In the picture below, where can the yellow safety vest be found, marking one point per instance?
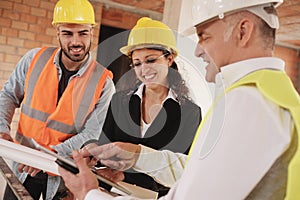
(276, 86)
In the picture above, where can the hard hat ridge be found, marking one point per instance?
(148, 33)
(204, 11)
(267, 13)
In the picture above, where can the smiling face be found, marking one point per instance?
(75, 41)
(151, 67)
(211, 68)
(215, 46)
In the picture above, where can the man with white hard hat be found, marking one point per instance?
(248, 145)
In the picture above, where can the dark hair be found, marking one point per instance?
(268, 34)
(176, 82)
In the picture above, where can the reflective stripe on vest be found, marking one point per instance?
(277, 87)
(41, 117)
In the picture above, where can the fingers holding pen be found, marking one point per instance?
(117, 155)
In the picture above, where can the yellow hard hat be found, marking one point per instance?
(148, 33)
(74, 12)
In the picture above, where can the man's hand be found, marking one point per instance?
(111, 174)
(6, 136)
(79, 184)
(21, 167)
(30, 170)
(117, 155)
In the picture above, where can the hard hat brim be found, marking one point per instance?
(127, 50)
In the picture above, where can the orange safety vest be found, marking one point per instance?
(45, 120)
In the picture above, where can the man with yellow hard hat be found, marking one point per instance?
(248, 145)
(63, 95)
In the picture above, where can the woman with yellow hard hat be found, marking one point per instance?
(157, 111)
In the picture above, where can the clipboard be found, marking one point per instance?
(42, 158)
(70, 166)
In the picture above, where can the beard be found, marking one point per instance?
(75, 57)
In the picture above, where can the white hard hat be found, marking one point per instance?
(206, 10)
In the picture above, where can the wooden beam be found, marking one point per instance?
(110, 4)
(13, 182)
(171, 14)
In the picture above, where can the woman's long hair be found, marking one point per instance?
(176, 82)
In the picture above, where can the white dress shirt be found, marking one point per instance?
(139, 92)
(237, 145)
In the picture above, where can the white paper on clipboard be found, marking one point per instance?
(28, 156)
(44, 159)
(46, 162)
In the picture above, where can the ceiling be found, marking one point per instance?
(288, 34)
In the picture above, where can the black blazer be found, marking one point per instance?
(173, 129)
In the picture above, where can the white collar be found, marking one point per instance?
(235, 71)
(171, 93)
